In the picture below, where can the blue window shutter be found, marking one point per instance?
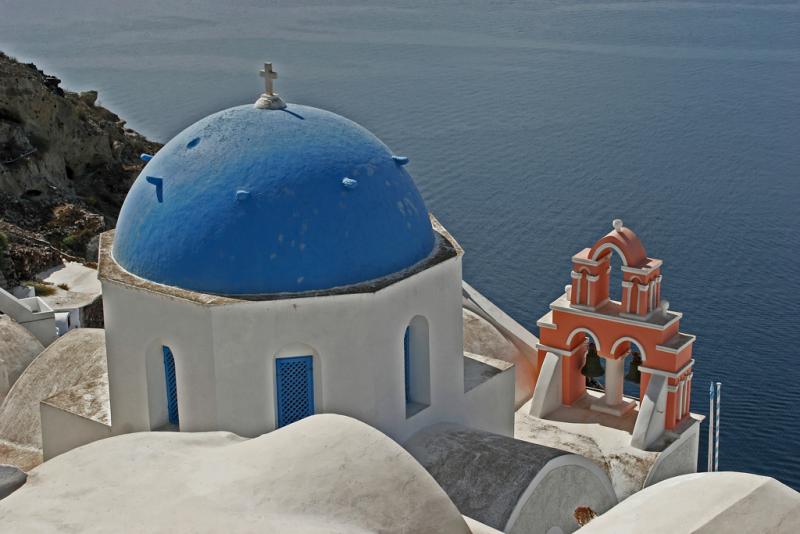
(407, 362)
(294, 381)
(172, 386)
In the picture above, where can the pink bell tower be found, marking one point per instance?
(585, 313)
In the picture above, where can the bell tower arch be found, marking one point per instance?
(639, 325)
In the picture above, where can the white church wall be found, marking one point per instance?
(63, 431)
(547, 395)
(562, 486)
(436, 296)
(679, 458)
(650, 421)
(33, 313)
(138, 323)
(225, 357)
(490, 405)
(357, 344)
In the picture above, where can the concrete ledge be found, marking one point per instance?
(680, 457)
(617, 410)
(11, 479)
(547, 394)
(33, 313)
(479, 369)
(476, 527)
(475, 302)
(63, 431)
(650, 421)
(490, 392)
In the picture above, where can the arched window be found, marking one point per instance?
(407, 362)
(416, 366)
(172, 386)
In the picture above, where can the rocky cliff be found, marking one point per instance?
(66, 164)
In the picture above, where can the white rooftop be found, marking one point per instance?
(81, 281)
(326, 473)
(605, 439)
(705, 503)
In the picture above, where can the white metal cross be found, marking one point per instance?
(268, 74)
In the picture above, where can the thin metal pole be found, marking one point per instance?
(716, 430)
(710, 463)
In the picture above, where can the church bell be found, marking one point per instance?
(592, 368)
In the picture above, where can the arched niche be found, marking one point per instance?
(416, 365)
(612, 282)
(624, 242)
(157, 383)
(586, 332)
(623, 345)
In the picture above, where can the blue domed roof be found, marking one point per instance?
(252, 201)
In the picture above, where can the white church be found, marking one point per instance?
(275, 261)
(274, 267)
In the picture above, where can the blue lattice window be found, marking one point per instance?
(294, 381)
(172, 386)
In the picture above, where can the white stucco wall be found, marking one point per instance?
(652, 409)
(63, 431)
(225, 357)
(138, 323)
(479, 338)
(679, 458)
(357, 343)
(490, 405)
(33, 313)
(563, 485)
(547, 395)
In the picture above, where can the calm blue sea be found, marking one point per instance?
(530, 125)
